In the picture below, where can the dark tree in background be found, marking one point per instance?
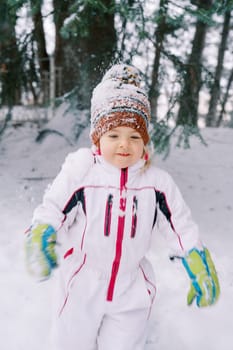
(85, 44)
(189, 98)
(10, 57)
(39, 36)
(160, 33)
(211, 118)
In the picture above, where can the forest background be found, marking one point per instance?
(54, 51)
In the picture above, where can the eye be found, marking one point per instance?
(135, 137)
(113, 136)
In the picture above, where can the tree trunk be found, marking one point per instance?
(215, 90)
(159, 37)
(10, 58)
(61, 12)
(84, 57)
(225, 98)
(97, 50)
(39, 36)
(189, 98)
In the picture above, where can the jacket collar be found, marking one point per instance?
(112, 169)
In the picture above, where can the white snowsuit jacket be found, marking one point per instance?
(105, 218)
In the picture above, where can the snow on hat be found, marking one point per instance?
(119, 100)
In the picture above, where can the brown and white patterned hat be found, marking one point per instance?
(119, 100)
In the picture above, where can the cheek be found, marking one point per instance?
(105, 150)
(141, 151)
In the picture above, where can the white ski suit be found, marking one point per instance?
(105, 218)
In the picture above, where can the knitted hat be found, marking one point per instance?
(119, 100)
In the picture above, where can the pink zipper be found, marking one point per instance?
(120, 235)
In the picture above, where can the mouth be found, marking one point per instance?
(123, 154)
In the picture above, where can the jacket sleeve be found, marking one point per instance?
(174, 217)
(74, 169)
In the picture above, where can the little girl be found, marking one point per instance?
(103, 208)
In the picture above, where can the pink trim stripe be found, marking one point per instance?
(68, 285)
(171, 223)
(83, 236)
(153, 286)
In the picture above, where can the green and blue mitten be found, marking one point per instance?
(40, 244)
(204, 280)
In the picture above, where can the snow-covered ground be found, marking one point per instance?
(205, 177)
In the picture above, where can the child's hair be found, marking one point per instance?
(119, 100)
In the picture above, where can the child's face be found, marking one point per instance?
(122, 146)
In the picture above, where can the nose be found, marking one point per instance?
(124, 142)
